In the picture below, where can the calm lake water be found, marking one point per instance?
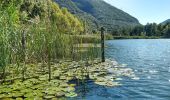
(150, 59)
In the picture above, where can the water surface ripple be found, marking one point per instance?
(150, 59)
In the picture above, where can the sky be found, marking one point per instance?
(146, 11)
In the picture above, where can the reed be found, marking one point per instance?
(42, 39)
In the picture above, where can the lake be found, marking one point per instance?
(149, 58)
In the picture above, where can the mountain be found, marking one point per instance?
(98, 13)
(166, 21)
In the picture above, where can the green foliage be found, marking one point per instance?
(143, 31)
(86, 38)
(108, 37)
(64, 21)
(166, 31)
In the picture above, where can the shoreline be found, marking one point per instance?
(136, 37)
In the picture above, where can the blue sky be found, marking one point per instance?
(145, 10)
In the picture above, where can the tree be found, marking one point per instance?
(136, 31)
(167, 31)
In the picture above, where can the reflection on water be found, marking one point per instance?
(150, 60)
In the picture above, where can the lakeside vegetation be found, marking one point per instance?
(33, 33)
(42, 48)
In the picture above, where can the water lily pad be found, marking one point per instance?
(29, 95)
(27, 83)
(33, 81)
(110, 77)
(54, 81)
(100, 83)
(111, 84)
(70, 73)
(63, 77)
(63, 85)
(93, 77)
(56, 73)
(2, 96)
(27, 90)
(72, 85)
(71, 94)
(6, 90)
(50, 92)
(101, 79)
(37, 93)
(19, 98)
(16, 94)
(70, 78)
(43, 77)
(33, 98)
(69, 89)
(118, 79)
(35, 87)
(7, 98)
(49, 97)
(60, 94)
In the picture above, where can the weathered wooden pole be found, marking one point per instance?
(23, 41)
(102, 44)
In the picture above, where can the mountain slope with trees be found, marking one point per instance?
(98, 13)
(166, 21)
(150, 30)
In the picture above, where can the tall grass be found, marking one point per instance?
(37, 41)
(9, 35)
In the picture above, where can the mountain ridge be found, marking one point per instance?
(99, 13)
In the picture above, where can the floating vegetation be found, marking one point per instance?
(104, 74)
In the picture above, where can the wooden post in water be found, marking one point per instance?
(23, 41)
(102, 44)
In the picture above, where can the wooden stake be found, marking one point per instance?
(102, 44)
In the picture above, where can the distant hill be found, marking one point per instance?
(165, 22)
(98, 13)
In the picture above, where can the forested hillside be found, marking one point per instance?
(98, 13)
(165, 22)
(148, 30)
